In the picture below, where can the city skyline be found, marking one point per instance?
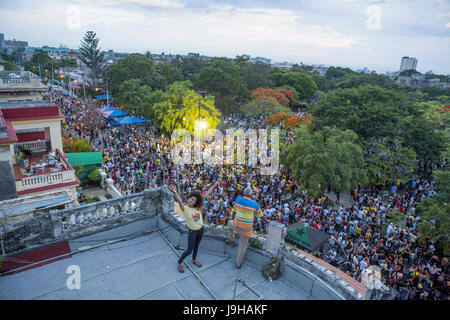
(347, 33)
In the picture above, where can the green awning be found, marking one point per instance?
(306, 237)
(84, 158)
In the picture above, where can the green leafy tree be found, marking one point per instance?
(338, 73)
(91, 55)
(443, 184)
(431, 143)
(375, 112)
(435, 213)
(139, 99)
(189, 67)
(356, 80)
(221, 78)
(169, 72)
(387, 160)
(323, 84)
(330, 157)
(68, 62)
(301, 68)
(445, 153)
(369, 111)
(433, 93)
(81, 146)
(435, 222)
(180, 108)
(10, 66)
(257, 75)
(94, 176)
(434, 111)
(78, 169)
(135, 66)
(40, 62)
(302, 83)
(242, 60)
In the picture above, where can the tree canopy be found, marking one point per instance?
(91, 55)
(135, 66)
(180, 108)
(330, 157)
(375, 112)
(221, 78)
(303, 83)
(139, 99)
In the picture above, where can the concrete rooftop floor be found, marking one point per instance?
(144, 268)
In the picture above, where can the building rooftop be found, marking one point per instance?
(11, 81)
(144, 268)
(15, 209)
(127, 248)
(25, 104)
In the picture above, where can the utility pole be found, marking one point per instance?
(107, 92)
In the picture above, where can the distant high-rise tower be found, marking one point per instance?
(2, 42)
(408, 64)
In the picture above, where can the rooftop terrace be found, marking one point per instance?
(145, 268)
(127, 248)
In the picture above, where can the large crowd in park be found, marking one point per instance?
(139, 158)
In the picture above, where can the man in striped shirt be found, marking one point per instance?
(244, 212)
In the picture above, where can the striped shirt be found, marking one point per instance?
(245, 212)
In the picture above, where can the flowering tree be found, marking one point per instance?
(289, 121)
(283, 96)
(265, 106)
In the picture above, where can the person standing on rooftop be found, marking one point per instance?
(245, 210)
(193, 214)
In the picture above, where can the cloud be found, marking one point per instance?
(447, 25)
(166, 4)
(266, 26)
(310, 31)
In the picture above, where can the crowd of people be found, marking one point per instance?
(139, 158)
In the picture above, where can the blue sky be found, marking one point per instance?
(354, 33)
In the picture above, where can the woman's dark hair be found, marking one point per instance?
(199, 200)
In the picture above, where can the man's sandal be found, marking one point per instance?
(230, 243)
(180, 268)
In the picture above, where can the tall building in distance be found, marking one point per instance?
(408, 64)
(2, 42)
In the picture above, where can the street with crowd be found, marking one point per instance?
(139, 158)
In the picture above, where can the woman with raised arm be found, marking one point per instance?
(193, 214)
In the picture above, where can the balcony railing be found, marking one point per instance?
(96, 212)
(34, 146)
(67, 174)
(15, 80)
(44, 180)
(63, 159)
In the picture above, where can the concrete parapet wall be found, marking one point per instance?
(47, 227)
(153, 210)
